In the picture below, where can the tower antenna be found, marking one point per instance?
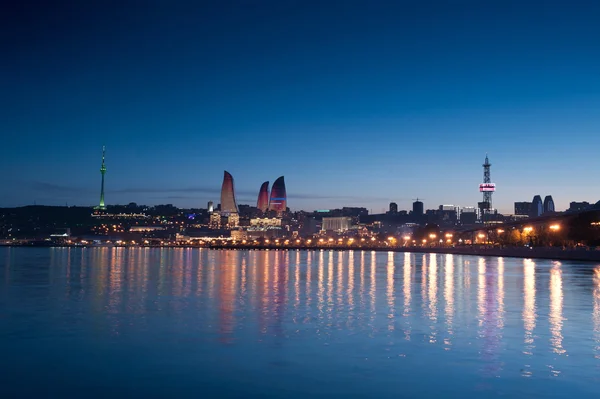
(487, 188)
(102, 172)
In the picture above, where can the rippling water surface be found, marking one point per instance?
(202, 323)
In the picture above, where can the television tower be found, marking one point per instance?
(487, 188)
(102, 171)
(487, 195)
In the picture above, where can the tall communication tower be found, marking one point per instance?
(102, 171)
(487, 188)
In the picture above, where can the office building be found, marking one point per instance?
(393, 208)
(578, 206)
(418, 207)
(522, 208)
(210, 207)
(215, 220)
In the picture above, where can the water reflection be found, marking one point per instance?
(390, 290)
(596, 312)
(406, 290)
(487, 311)
(556, 308)
(529, 307)
(449, 297)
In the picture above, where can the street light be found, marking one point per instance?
(555, 227)
(528, 229)
(500, 231)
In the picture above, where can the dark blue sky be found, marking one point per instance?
(356, 103)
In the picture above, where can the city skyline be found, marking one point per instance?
(400, 100)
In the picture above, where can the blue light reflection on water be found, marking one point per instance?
(189, 322)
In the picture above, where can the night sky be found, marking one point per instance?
(356, 103)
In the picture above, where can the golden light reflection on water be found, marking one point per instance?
(500, 294)
(556, 308)
(432, 297)
(596, 312)
(373, 283)
(529, 307)
(406, 290)
(481, 291)
(449, 296)
(350, 290)
(390, 290)
(320, 283)
(251, 290)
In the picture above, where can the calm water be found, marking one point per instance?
(200, 323)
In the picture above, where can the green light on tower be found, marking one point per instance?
(102, 171)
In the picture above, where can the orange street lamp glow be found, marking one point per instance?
(448, 235)
(432, 236)
(406, 238)
(500, 231)
(555, 227)
(528, 229)
(481, 235)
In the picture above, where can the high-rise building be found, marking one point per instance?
(228, 204)
(522, 208)
(393, 207)
(548, 204)
(418, 207)
(102, 172)
(537, 207)
(263, 197)
(210, 207)
(278, 200)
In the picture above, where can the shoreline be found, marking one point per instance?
(552, 253)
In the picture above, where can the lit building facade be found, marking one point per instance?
(233, 220)
(278, 200)
(228, 204)
(210, 207)
(263, 197)
(264, 222)
(338, 224)
(215, 220)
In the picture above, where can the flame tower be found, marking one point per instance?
(228, 204)
(263, 197)
(278, 201)
(102, 172)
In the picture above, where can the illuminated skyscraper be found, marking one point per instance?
(278, 201)
(228, 204)
(263, 197)
(102, 171)
(211, 207)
